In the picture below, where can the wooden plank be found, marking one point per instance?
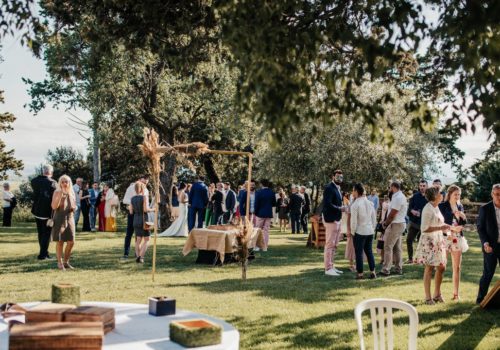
(492, 299)
(47, 312)
(105, 315)
(56, 335)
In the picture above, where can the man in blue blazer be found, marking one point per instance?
(230, 202)
(488, 227)
(198, 200)
(265, 201)
(332, 215)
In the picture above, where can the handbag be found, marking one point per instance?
(464, 245)
(380, 244)
(50, 222)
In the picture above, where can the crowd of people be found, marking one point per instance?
(432, 218)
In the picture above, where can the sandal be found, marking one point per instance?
(429, 302)
(60, 266)
(438, 299)
(360, 277)
(455, 297)
(68, 266)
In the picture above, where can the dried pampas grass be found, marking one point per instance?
(193, 149)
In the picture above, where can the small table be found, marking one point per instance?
(136, 329)
(221, 241)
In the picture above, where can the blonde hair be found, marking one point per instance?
(71, 193)
(452, 189)
(139, 187)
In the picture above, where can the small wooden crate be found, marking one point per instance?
(105, 315)
(161, 306)
(47, 312)
(56, 335)
(195, 333)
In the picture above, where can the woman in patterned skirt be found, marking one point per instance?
(63, 230)
(431, 250)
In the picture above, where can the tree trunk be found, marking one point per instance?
(96, 155)
(167, 177)
(208, 164)
(316, 197)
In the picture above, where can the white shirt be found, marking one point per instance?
(497, 212)
(131, 193)
(363, 217)
(431, 217)
(76, 189)
(6, 195)
(399, 203)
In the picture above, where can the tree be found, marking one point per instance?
(486, 173)
(68, 161)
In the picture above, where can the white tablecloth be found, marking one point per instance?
(136, 329)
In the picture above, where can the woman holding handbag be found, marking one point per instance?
(63, 229)
(139, 208)
(453, 213)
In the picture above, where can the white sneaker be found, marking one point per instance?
(256, 249)
(331, 272)
(338, 271)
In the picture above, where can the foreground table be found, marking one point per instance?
(221, 241)
(137, 330)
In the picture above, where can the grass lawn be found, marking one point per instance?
(287, 301)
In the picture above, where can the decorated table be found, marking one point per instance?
(221, 239)
(136, 330)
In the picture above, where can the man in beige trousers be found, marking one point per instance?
(394, 226)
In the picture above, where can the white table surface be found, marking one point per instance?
(136, 329)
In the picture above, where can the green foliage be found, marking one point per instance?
(24, 193)
(486, 173)
(68, 161)
(7, 160)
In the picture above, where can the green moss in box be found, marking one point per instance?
(64, 293)
(195, 333)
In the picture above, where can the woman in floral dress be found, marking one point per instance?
(431, 250)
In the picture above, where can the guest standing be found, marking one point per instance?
(111, 210)
(362, 223)
(64, 205)
(76, 188)
(217, 199)
(344, 226)
(94, 194)
(295, 207)
(332, 214)
(453, 213)
(265, 201)
(101, 206)
(439, 185)
(229, 203)
(431, 249)
(85, 206)
(374, 199)
(198, 199)
(282, 205)
(175, 202)
(488, 227)
(129, 193)
(43, 188)
(7, 205)
(139, 208)
(209, 212)
(306, 209)
(394, 226)
(415, 207)
(350, 251)
(383, 216)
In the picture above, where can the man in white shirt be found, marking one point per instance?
(394, 226)
(130, 217)
(76, 188)
(7, 205)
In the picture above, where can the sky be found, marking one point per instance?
(34, 135)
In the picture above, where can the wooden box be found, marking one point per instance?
(105, 315)
(161, 306)
(195, 333)
(492, 299)
(47, 312)
(56, 335)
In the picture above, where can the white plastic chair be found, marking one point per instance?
(379, 317)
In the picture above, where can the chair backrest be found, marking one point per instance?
(381, 311)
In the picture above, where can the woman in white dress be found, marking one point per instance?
(179, 227)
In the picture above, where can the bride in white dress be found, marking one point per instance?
(179, 227)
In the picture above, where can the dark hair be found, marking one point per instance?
(201, 177)
(431, 194)
(265, 182)
(227, 183)
(422, 181)
(437, 180)
(182, 186)
(359, 188)
(95, 182)
(84, 183)
(145, 177)
(338, 171)
(396, 185)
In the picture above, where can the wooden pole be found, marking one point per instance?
(155, 228)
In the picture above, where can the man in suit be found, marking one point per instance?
(265, 201)
(198, 200)
(217, 200)
(295, 207)
(488, 227)
(332, 215)
(306, 209)
(43, 188)
(230, 202)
